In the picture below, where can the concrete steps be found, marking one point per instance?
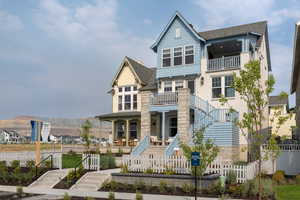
(92, 181)
(50, 178)
(154, 150)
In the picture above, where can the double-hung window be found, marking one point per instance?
(168, 86)
(127, 98)
(178, 56)
(189, 54)
(127, 102)
(229, 90)
(166, 58)
(120, 102)
(134, 101)
(178, 84)
(216, 87)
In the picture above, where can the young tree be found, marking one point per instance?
(85, 134)
(207, 149)
(254, 92)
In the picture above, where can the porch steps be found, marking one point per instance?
(50, 178)
(92, 181)
(155, 150)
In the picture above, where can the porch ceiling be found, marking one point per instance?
(223, 48)
(119, 115)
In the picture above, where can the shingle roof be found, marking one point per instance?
(278, 100)
(151, 83)
(118, 115)
(260, 28)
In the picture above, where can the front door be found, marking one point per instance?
(173, 126)
(191, 86)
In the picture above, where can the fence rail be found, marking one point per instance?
(92, 162)
(167, 98)
(179, 165)
(286, 147)
(223, 63)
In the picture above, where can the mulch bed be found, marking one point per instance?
(23, 171)
(63, 184)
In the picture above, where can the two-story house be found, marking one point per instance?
(182, 93)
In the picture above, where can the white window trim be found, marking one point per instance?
(193, 54)
(222, 86)
(131, 93)
(171, 57)
(182, 56)
(178, 31)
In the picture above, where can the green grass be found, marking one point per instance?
(288, 192)
(70, 160)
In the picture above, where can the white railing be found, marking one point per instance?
(167, 98)
(224, 63)
(141, 147)
(180, 165)
(286, 147)
(91, 163)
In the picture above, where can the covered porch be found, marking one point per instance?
(126, 128)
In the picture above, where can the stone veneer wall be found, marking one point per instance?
(183, 119)
(145, 114)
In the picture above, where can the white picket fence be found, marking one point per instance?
(25, 156)
(92, 163)
(179, 164)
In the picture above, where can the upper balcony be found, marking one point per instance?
(224, 55)
(224, 63)
(161, 101)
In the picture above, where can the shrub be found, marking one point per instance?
(47, 164)
(240, 162)
(169, 171)
(298, 179)
(173, 189)
(111, 161)
(250, 189)
(124, 169)
(104, 162)
(138, 196)
(186, 188)
(80, 171)
(163, 187)
(111, 196)
(148, 171)
(15, 163)
(3, 163)
(90, 198)
(139, 185)
(113, 185)
(231, 178)
(30, 164)
(66, 196)
(106, 185)
(19, 191)
(278, 177)
(70, 177)
(235, 190)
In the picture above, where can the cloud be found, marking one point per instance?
(239, 12)
(9, 22)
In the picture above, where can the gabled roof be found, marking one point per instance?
(258, 29)
(278, 100)
(296, 59)
(185, 22)
(141, 72)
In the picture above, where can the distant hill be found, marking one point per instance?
(59, 126)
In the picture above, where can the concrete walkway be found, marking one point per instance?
(80, 193)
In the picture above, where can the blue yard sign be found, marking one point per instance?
(195, 161)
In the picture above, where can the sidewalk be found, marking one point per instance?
(118, 195)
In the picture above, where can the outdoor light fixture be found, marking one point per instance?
(202, 80)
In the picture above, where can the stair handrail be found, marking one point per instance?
(37, 165)
(142, 145)
(170, 148)
(81, 161)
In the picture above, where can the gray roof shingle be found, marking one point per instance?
(278, 100)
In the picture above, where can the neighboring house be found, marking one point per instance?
(164, 105)
(295, 80)
(280, 105)
(10, 137)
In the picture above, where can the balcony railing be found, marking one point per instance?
(224, 63)
(167, 98)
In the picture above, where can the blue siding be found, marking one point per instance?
(169, 41)
(163, 108)
(222, 133)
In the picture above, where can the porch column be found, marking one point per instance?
(127, 131)
(163, 127)
(145, 114)
(113, 130)
(183, 114)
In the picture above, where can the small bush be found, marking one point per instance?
(139, 185)
(278, 177)
(111, 162)
(80, 171)
(186, 188)
(3, 163)
(90, 198)
(15, 163)
(250, 189)
(19, 191)
(113, 185)
(169, 172)
(231, 178)
(30, 164)
(47, 164)
(163, 187)
(138, 196)
(124, 169)
(173, 189)
(66, 196)
(298, 179)
(235, 190)
(71, 177)
(111, 196)
(148, 171)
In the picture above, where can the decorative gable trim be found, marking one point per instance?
(125, 60)
(185, 22)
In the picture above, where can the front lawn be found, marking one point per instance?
(288, 192)
(70, 160)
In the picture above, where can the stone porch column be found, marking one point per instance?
(127, 131)
(145, 114)
(183, 114)
(113, 130)
(163, 129)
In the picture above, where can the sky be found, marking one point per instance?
(58, 57)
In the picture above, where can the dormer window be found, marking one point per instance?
(189, 54)
(166, 57)
(178, 56)
(177, 33)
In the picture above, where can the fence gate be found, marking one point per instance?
(91, 161)
(57, 158)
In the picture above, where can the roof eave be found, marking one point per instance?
(295, 70)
